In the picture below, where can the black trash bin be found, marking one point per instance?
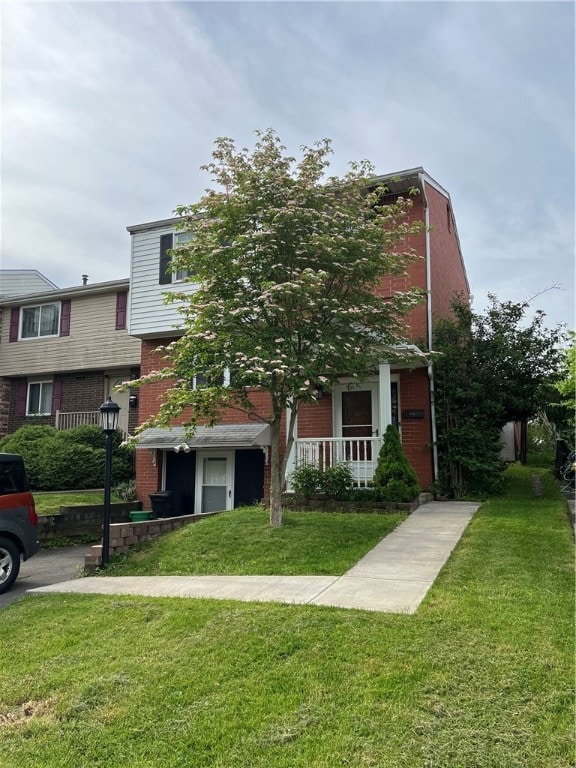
(162, 504)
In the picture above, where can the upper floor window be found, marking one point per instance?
(43, 320)
(167, 243)
(180, 239)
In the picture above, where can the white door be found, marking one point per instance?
(214, 481)
(121, 398)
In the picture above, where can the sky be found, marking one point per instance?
(108, 110)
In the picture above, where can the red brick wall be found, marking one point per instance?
(447, 272)
(148, 476)
(416, 433)
(415, 277)
(4, 405)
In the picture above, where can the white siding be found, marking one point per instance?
(148, 315)
(93, 342)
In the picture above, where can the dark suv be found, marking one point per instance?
(18, 519)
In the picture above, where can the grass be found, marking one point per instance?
(50, 503)
(480, 677)
(242, 542)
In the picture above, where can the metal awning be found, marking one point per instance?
(220, 436)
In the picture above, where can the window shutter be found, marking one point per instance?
(21, 393)
(165, 259)
(65, 310)
(14, 323)
(56, 396)
(121, 305)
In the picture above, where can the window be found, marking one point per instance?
(201, 380)
(180, 239)
(39, 401)
(167, 243)
(40, 321)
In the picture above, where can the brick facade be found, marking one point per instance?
(444, 274)
(81, 391)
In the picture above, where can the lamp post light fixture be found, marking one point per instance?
(108, 421)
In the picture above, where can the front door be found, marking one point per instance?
(357, 418)
(121, 398)
(214, 481)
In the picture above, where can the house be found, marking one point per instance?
(16, 282)
(62, 352)
(226, 466)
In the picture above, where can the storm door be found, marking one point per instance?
(214, 481)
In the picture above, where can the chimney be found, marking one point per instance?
(84, 279)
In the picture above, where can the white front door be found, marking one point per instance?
(214, 481)
(121, 398)
(356, 413)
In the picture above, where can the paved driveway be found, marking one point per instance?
(49, 566)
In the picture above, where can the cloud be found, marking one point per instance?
(109, 109)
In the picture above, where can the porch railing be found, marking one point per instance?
(76, 419)
(79, 418)
(360, 453)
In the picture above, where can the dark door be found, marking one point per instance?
(181, 480)
(357, 423)
(248, 477)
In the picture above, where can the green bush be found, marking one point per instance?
(336, 480)
(72, 459)
(306, 479)
(394, 478)
(67, 466)
(126, 490)
(27, 441)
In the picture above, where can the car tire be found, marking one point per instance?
(9, 564)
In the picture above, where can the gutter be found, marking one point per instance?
(429, 324)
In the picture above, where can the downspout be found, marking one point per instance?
(429, 324)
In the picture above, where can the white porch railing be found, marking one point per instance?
(79, 418)
(76, 419)
(360, 453)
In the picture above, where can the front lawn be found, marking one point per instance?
(242, 542)
(480, 677)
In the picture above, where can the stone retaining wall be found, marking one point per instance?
(126, 535)
(319, 502)
(81, 521)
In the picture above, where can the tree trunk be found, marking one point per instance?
(275, 472)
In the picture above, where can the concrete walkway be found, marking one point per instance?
(393, 577)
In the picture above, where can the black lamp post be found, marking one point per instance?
(108, 421)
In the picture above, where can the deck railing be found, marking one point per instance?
(76, 419)
(360, 453)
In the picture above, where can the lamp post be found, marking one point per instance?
(108, 421)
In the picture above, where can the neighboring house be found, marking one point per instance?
(62, 352)
(15, 282)
(225, 466)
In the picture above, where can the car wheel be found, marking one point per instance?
(9, 564)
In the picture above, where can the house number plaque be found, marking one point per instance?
(414, 414)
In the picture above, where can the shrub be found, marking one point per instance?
(26, 441)
(66, 466)
(70, 459)
(394, 478)
(306, 479)
(126, 490)
(336, 480)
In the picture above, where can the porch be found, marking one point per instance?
(359, 453)
(72, 419)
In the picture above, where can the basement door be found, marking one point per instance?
(214, 481)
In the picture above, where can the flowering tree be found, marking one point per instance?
(287, 263)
